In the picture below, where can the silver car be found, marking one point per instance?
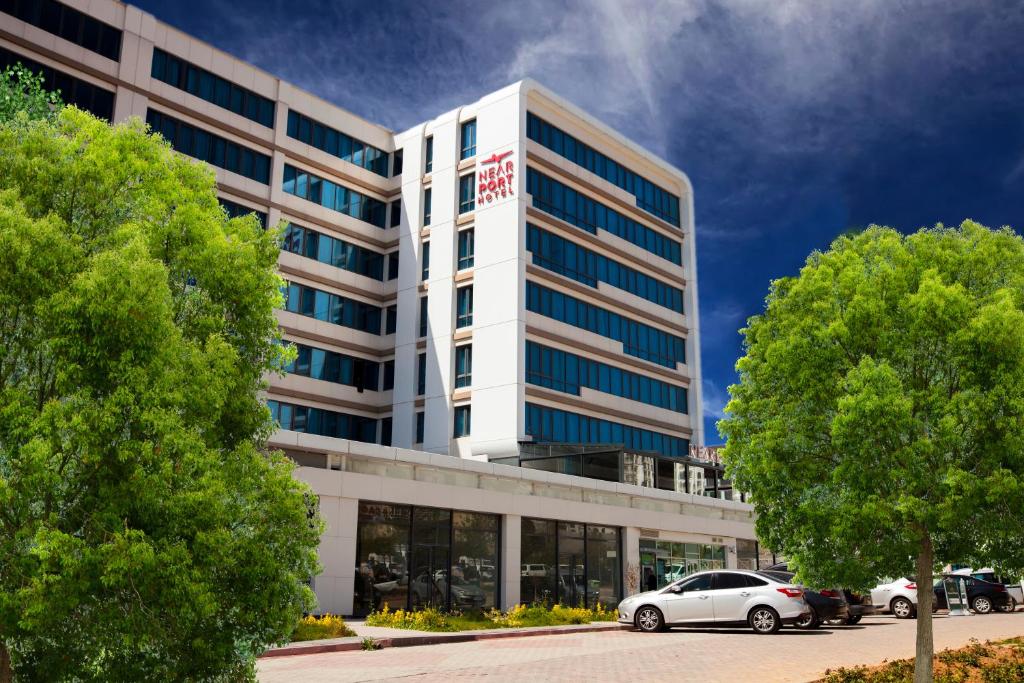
(722, 597)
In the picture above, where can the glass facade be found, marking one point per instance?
(561, 256)
(662, 562)
(467, 136)
(466, 249)
(649, 196)
(331, 366)
(421, 374)
(333, 196)
(68, 23)
(213, 149)
(82, 94)
(546, 424)
(565, 203)
(463, 421)
(639, 340)
(463, 366)
(235, 210)
(746, 554)
(467, 193)
(199, 82)
(333, 251)
(411, 557)
(332, 308)
(323, 422)
(464, 306)
(567, 372)
(570, 563)
(423, 317)
(338, 144)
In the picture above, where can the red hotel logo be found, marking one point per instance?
(494, 178)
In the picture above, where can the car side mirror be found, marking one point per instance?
(676, 589)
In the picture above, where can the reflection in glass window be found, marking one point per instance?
(570, 562)
(199, 82)
(462, 421)
(213, 149)
(333, 251)
(338, 144)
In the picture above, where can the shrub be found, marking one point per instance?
(314, 627)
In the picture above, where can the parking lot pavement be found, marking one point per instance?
(725, 655)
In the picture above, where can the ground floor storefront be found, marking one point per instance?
(408, 529)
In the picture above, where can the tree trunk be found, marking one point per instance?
(6, 675)
(925, 643)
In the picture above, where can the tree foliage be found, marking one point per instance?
(22, 94)
(879, 418)
(144, 534)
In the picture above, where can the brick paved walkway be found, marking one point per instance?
(679, 655)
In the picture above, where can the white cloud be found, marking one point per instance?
(714, 400)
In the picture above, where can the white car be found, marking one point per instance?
(898, 596)
(717, 598)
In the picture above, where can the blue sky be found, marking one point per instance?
(795, 121)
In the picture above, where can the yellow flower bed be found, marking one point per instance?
(520, 616)
(314, 627)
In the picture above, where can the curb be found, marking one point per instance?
(432, 639)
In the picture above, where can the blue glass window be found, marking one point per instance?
(388, 382)
(212, 88)
(649, 196)
(331, 366)
(396, 213)
(468, 138)
(333, 251)
(385, 431)
(463, 365)
(390, 319)
(420, 426)
(561, 256)
(423, 316)
(462, 421)
(467, 193)
(392, 265)
(339, 310)
(575, 208)
(67, 23)
(421, 374)
(466, 249)
(338, 144)
(235, 210)
(567, 372)
(334, 196)
(212, 149)
(464, 306)
(396, 163)
(638, 339)
(426, 207)
(425, 262)
(323, 422)
(428, 164)
(83, 95)
(546, 424)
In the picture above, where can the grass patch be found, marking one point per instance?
(318, 628)
(520, 616)
(989, 662)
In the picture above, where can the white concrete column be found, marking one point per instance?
(511, 554)
(631, 555)
(337, 551)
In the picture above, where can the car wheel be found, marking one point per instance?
(854, 619)
(981, 605)
(649, 619)
(902, 608)
(809, 621)
(764, 620)
(1009, 606)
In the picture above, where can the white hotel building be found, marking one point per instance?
(498, 378)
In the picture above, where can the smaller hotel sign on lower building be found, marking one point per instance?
(494, 177)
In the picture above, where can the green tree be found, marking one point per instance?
(879, 418)
(144, 533)
(21, 91)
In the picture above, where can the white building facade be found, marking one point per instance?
(495, 313)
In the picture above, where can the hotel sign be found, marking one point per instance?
(709, 454)
(495, 177)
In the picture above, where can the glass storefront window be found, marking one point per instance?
(746, 554)
(409, 557)
(668, 561)
(571, 563)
